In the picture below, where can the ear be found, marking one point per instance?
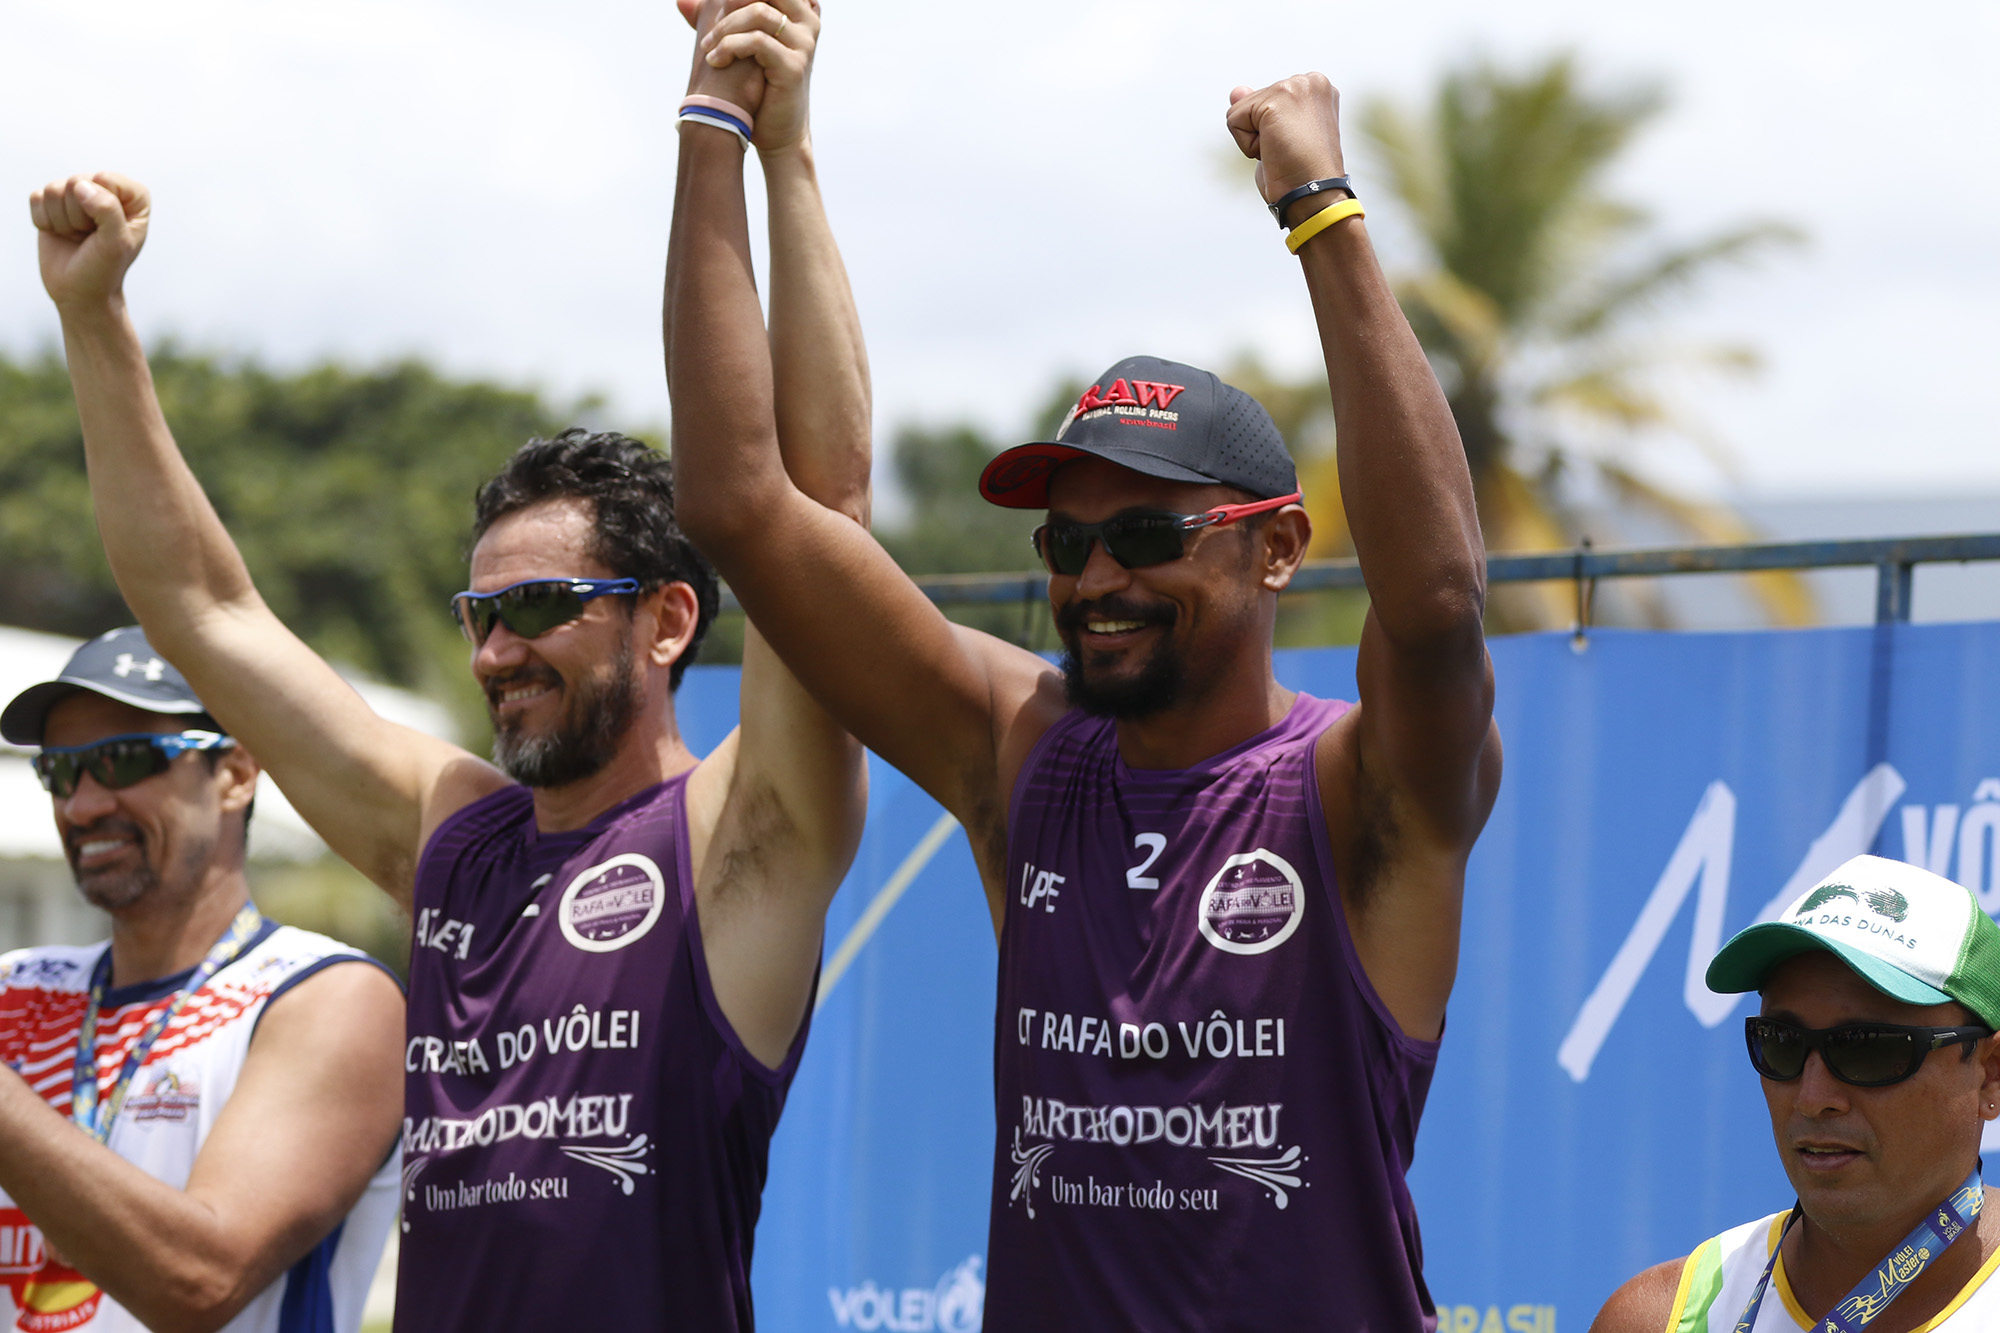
(1987, 1052)
(671, 613)
(1286, 534)
(237, 771)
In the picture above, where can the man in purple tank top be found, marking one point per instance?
(616, 944)
(1228, 914)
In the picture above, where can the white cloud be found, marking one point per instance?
(1021, 190)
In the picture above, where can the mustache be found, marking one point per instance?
(528, 675)
(109, 826)
(1070, 618)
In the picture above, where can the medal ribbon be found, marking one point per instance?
(1859, 1308)
(95, 1117)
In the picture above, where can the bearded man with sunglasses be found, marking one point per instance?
(1228, 913)
(1875, 1044)
(236, 1084)
(616, 944)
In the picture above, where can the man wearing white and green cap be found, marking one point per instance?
(1875, 1043)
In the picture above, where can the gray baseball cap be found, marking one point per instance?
(120, 665)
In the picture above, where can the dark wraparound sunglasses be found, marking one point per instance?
(1136, 540)
(120, 761)
(532, 608)
(1868, 1055)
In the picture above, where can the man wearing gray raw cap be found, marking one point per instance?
(237, 1090)
(1881, 993)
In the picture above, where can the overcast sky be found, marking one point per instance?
(1022, 190)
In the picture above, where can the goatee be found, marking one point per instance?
(1153, 688)
(597, 710)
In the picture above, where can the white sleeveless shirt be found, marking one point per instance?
(1718, 1278)
(172, 1104)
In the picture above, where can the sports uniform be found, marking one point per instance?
(1205, 1112)
(581, 1117)
(173, 1101)
(1720, 1276)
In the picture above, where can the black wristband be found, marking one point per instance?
(1309, 188)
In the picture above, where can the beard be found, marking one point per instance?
(112, 890)
(597, 711)
(1153, 688)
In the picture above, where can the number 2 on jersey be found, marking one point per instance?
(1152, 844)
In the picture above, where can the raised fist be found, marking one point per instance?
(92, 228)
(764, 49)
(1292, 129)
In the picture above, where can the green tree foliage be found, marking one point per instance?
(348, 491)
(1538, 298)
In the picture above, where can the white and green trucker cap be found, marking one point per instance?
(1914, 936)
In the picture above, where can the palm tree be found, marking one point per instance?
(1534, 305)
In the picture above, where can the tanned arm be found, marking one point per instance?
(1410, 775)
(1642, 1304)
(372, 789)
(940, 703)
(777, 810)
(314, 1115)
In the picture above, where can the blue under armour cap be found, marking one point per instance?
(120, 665)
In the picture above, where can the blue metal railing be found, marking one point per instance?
(1894, 558)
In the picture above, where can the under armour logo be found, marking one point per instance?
(152, 668)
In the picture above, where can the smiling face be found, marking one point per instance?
(1138, 641)
(562, 702)
(153, 841)
(1867, 1157)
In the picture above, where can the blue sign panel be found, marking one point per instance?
(1593, 1112)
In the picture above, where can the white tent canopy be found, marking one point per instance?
(277, 833)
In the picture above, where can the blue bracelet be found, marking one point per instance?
(721, 120)
(1309, 188)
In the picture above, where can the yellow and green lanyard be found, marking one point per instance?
(95, 1117)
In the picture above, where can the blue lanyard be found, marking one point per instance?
(1943, 1225)
(96, 1118)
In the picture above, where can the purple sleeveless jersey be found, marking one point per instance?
(586, 1139)
(1205, 1112)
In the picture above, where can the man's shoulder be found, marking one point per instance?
(287, 956)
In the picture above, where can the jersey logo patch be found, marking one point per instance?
(1253, 904)
(167, 1097)
(612, 904)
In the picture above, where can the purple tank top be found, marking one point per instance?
(1205, 1113)
(585, 1138)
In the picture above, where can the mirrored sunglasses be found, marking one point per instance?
(120, 761)
(532, 607)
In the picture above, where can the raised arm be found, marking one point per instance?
(312, 1118)
(1410, 778)
(372, 789)
(759, 492)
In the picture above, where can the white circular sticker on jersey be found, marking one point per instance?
(612, 904)
(1253, 904)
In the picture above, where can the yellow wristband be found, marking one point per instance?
(1320, 221)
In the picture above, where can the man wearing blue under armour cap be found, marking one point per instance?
(1875, 1044)
(198, 1118)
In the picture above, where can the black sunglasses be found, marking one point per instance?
(120, 761)
(1867, 1055)
(1136, 540)
(532, 608)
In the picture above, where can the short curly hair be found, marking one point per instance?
(630, 487)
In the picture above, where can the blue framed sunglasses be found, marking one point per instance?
(532, 607)
(120, 761)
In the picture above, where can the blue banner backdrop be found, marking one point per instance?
(1593, 1112)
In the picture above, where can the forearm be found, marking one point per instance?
(819, 361)
(161, 1253)
(726, 456)
(1403, 476)
(168, 551)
